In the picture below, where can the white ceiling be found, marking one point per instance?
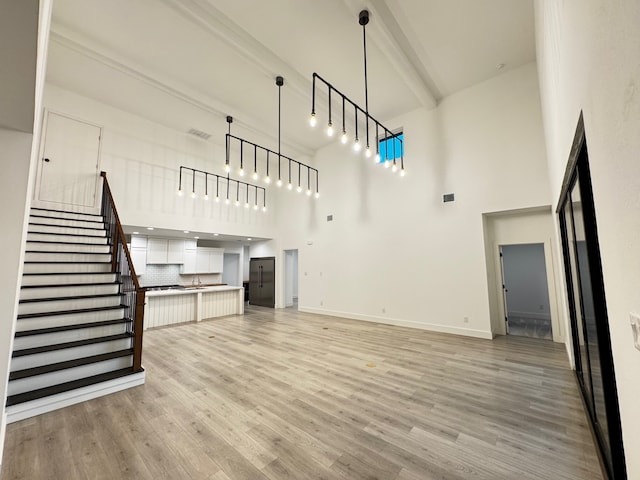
(189, 63)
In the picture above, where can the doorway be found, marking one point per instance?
(70, 160)
(231, 269)
(525, 290)
(291, 278)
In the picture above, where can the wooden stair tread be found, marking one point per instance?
(68, 312)
(76, 343)
(75, 297)
(76, 362)
(73, 326)
(67, 386)
(56, 285)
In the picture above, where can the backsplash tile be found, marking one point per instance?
(170, 275)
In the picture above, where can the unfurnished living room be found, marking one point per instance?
(347, 239)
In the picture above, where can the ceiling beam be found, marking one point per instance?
(387, 34)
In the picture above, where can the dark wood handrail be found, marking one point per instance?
(118, 241)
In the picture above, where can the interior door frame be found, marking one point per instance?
(578, 171)
(41, 146)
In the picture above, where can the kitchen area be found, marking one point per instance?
(189, 279)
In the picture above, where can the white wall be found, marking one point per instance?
(24, 32)
(394, 252)
(588, 53)
(142, 161)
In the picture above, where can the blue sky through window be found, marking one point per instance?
(386, 147)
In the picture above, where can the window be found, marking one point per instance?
(391, 147)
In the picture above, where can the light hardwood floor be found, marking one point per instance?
(286, 395)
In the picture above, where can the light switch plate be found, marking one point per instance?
(635, 327)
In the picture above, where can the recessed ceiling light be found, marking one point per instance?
(249, 238)
(186, 231)
(196, 238)
(136, 233)
(149, 228)
(216, 234)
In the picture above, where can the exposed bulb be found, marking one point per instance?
(237, 203)
(387, 164)
(255, 175)
(317, 194)
(279, 182)
(330, 129)
(299, 189)
(180, 193)
(402, 173)
(264, 209)
(312, 119)
(206, 197)
(255, 207)
(356, 145)
(367, 152)
(377, 158)
(289, 187)
(267, 179)
(241, 172)
(308, 192)
(246, 205)
(394, 169)
(193, 195)
(217, 199)
(344, 138)
(226, 201)
(227, 167)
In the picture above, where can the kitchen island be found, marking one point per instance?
(180, 305)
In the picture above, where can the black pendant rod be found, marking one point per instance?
(279, 83)
(363, 19)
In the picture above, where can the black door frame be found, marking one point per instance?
(578, 172)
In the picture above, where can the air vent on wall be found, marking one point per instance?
(448, 197)
(199, 133)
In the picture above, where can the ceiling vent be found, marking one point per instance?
(199, 133)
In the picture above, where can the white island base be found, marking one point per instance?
(168, 307)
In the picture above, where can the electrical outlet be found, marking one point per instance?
(466, 319)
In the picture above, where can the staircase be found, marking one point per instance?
(74, 336)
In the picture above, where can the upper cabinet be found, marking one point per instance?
(138, 250)
(165, 251)
(203, 260)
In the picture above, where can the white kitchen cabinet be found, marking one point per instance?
(203, 260)
(165, 251)
(138, 250)
(175, 251)
(157, 251)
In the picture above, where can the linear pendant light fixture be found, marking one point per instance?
(224, 187)
(369, 121)
(262, 156)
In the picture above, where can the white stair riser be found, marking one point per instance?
(48, 237)
(67, 247)
(66, 257)
(67, 215)
(66, 279)
(66, 230)
(67, 268)
(37, 323)
(54, 378)
(66, 222)
(40, 359)
(33, 341)
(62, 305)
(70, 291)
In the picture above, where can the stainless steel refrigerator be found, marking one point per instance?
(262, 281)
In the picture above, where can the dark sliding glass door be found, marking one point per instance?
(587, 308)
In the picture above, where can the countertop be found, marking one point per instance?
(191, 290)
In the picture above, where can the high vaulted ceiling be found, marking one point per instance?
(189, 63)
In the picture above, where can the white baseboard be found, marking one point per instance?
(432, 327)
(30, 409)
